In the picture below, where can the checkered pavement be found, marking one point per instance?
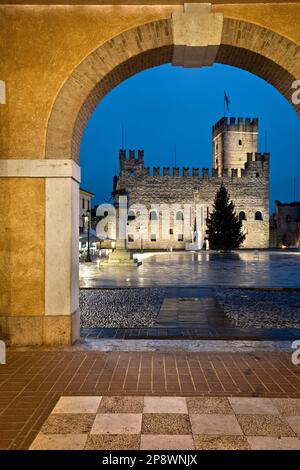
(171, 423)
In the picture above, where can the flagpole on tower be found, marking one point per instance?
(226, 103)
(122, 135)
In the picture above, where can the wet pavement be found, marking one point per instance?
(236, 269)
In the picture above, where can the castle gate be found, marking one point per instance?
(57, 62)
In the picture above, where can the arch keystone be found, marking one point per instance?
(197, 34)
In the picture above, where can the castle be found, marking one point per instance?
(185, 197)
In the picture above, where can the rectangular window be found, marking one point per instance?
(180, 237)
(83, 201)
(130, 238)
(171, 231)
(153, 238)
(88, 205)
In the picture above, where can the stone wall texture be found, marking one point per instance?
(249, 192)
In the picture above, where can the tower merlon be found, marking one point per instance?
(238, 124)
(132, 155)
(140, 158)
(225, 172)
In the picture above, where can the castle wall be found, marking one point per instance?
(249, 192)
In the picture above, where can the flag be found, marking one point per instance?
(226, 102)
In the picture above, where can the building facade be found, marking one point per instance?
(168, 209)
(285, 225)
(85, 205)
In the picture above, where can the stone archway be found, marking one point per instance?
(45, 174)
(245, 45)
(248, 46)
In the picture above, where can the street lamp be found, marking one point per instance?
(86, 221)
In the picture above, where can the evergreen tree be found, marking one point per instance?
(224, 229)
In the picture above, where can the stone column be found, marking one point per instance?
(120, 255)
(39, 251)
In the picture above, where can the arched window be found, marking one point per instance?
(131, 215)
(242, 216)
(179, 215)
(153, 215)
(258, 215)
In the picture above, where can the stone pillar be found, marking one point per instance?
(39, 251)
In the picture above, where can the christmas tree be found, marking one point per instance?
(224, 229)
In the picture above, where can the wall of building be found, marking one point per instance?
(232, 140)
(287, 219)
(249, 192)
(85, 204)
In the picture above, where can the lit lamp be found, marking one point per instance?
(86, 222)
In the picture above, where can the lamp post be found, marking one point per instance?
(86, 221)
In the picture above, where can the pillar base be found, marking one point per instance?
(121, 258)
(47, 330)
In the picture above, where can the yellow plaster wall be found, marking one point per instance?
(283, 18)
(41, 45)
(22, 237)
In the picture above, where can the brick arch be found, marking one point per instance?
(248, 46)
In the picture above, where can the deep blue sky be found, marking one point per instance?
(169, 105)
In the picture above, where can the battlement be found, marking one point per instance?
(132, 167)
(254, 163)
(239, 124)
(131, 157)
(258, 157)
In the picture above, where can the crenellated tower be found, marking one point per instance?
(131, 166)
(232, 139)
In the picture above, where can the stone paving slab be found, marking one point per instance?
(32, 383)
(171, 423)
(193, 332)
(191, 312)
